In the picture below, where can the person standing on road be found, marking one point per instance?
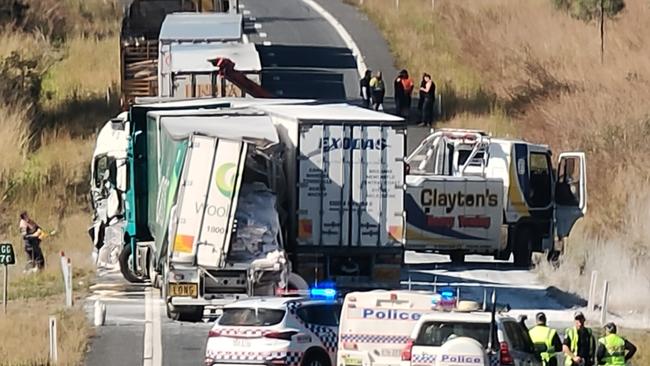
(378, 91)
(423, 83)
(364, 88)
(579, 343)
(611, 348)
(546, 337)
(407, 86)
(31, 233)
(429, 91)
(399, 93)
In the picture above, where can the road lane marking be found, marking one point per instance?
(157, 331)
(266, 43)
(148, 336)
(263, 34)
(152, 355)
(246, 12)
(343, 33)
(258, 26)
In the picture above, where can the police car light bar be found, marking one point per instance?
(316, 292)
(328, 293)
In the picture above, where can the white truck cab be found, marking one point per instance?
(469, 193)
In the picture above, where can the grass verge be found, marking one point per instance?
(59, 59)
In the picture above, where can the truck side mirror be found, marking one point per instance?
(117, 124)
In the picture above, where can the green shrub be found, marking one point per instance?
(588, 10)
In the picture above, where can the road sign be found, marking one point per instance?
(7, 256)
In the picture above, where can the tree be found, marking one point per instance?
(588, 10)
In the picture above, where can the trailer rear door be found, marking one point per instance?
(350, 185)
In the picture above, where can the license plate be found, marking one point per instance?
(352, 361)
(184, 289)
(238, 342)
(390, 352)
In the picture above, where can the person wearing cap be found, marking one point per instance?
(545, 337)
(579, 343)
(611, 348)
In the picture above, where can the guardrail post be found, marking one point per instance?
(592, 291)
(54, 354)
(603, 309)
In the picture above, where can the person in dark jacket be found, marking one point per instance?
(423, 83)
(364, 88)
(399, 93)
(31, 234)
(429, 91)
(579, 343)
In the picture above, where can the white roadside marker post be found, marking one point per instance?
(603, 309)
(54, 354)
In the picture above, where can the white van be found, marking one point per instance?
(376, 325)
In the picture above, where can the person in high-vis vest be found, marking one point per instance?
(612, 347)
(545, 338)
(579, 343)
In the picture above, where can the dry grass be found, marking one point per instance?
(522, 68)
(96, 67)
(24, 336)
(77, 46)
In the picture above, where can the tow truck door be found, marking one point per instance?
(570, 191)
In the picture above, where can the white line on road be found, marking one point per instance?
(251, 18)
(263, 34)
(148, 336)
(152, 355)
(343, 33)
(157, 331)
(258, 26)
(266, 43)
(246, 12)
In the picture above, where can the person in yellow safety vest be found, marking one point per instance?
(545, 338)
(579, 343)
(612, 347)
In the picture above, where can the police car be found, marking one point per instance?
(428, 344)
(291, 331)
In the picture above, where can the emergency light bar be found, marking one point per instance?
(315, 293)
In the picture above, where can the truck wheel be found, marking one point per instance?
(125, 266)
(457, 257)
(523, 248)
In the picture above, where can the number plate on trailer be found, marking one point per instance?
(7, 256)
(184, 289)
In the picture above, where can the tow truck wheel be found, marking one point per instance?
(457, 257)
(315, 358)
(523, 250)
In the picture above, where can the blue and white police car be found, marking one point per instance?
(291, 331)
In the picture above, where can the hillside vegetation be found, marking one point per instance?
(59, 69)
(527, 69)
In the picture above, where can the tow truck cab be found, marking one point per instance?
(470, 193)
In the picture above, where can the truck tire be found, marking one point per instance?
(457, 257)
(523, 250)
(125, 267)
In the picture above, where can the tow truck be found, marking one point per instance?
(469, 193)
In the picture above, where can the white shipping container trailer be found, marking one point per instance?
(345, 172)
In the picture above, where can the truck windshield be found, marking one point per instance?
(435, 334)
(251, 317)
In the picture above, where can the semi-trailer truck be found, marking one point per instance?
(242, 197)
